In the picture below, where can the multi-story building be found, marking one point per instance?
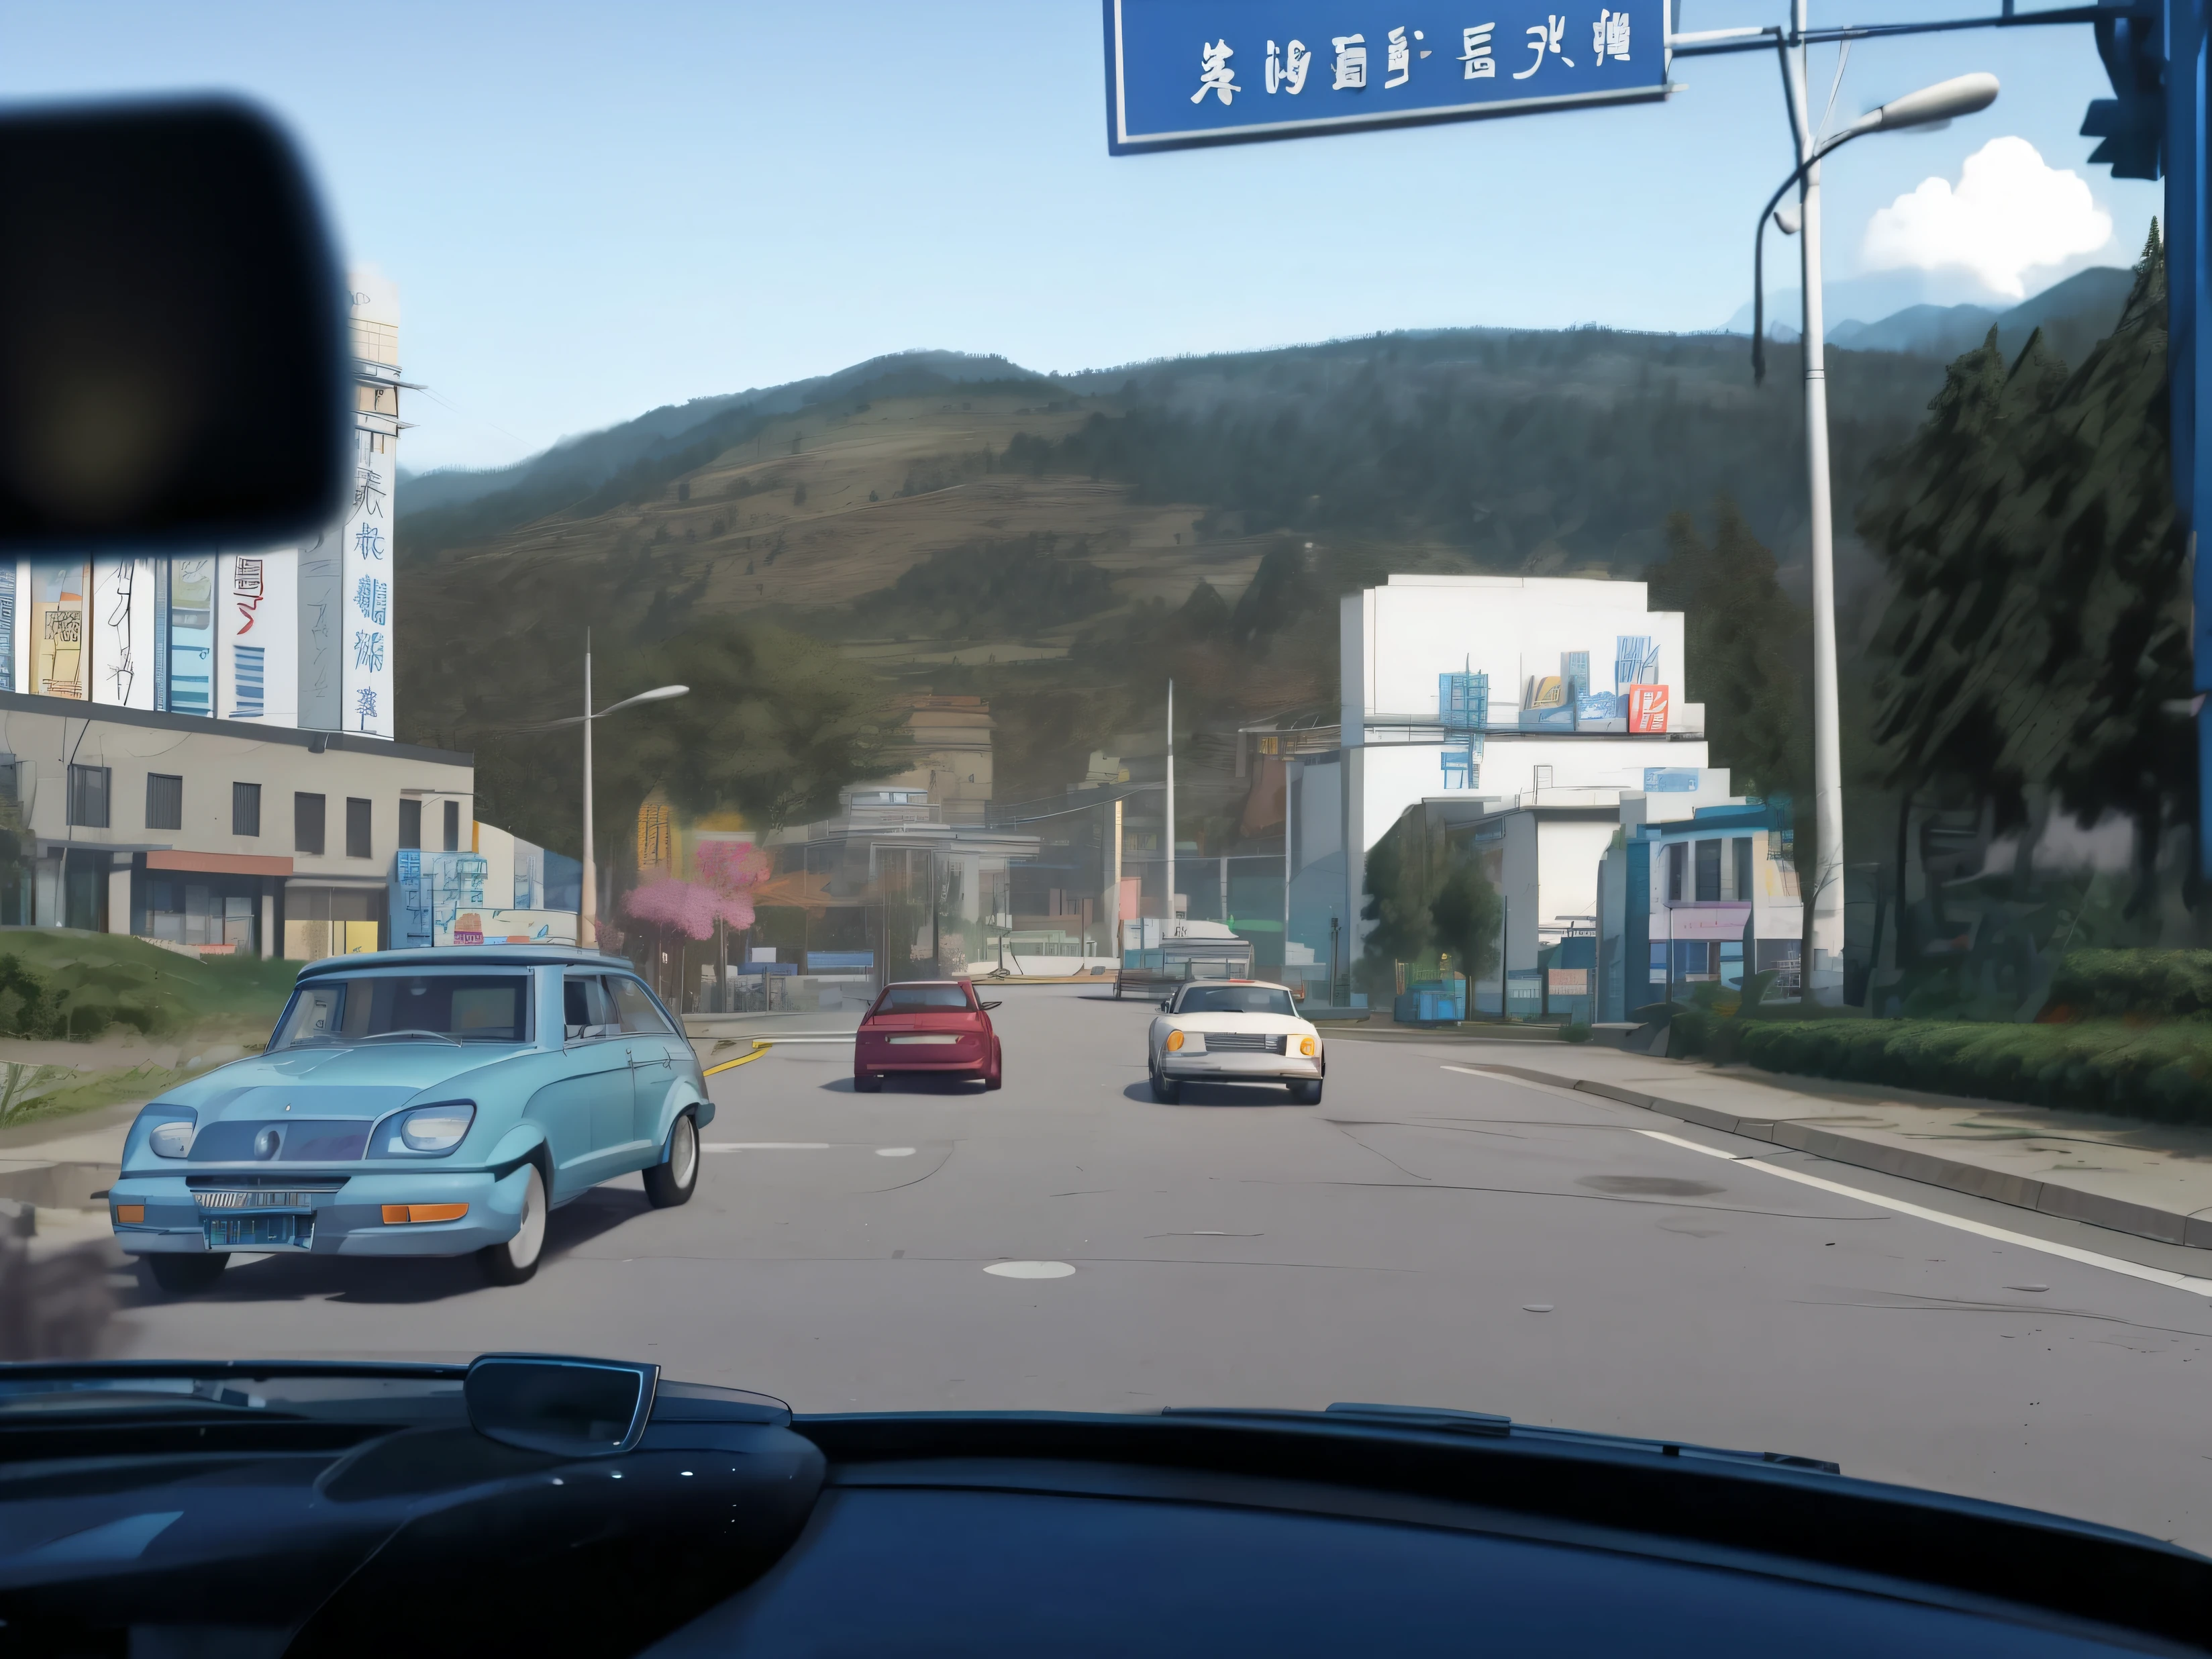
(1482, 696)
(200, 748)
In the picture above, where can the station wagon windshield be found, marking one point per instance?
(409, 1008)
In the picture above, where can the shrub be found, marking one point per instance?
(2131, 984)
(2162, 1072)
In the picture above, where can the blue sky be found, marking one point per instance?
(593, 209)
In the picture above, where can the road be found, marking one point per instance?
(1428, 1234)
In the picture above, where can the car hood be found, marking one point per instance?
(335, 1082)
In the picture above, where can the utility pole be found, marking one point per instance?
(587, 914)
(1170, 831)
(1824, 975)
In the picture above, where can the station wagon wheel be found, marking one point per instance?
(184, 1275)
(671, 1180)
(515, 1260)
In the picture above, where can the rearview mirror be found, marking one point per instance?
(173, 354)
(986, 1006)
(569, 1408)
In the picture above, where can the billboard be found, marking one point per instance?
(7, 624)
(1647, 708)
(123, 631)
(364, 594)
(256, 623)
(488, 926)
(187, 646)
(58, 642)
(1184, 72)
(318, 568)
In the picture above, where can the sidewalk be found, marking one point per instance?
(2153, 1180)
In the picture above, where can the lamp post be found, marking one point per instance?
(587, 900)
(1930, 105)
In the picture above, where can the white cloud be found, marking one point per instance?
(2010, 213)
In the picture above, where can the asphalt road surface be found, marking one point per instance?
(1428, 1234)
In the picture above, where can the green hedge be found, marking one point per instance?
(2143, 984)
(2162, 1072)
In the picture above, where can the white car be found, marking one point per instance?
(1234, 1031)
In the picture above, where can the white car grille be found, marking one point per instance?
(1244, 1042)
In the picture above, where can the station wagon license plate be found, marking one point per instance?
(259, 1232)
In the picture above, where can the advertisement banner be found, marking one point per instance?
(319, 569)
(260, 643)
(123, 632)
(1647, 708)
(508, 927)
(58, 642)
(190, 647)
(1708, 921)
(1570, 982)
(365, 560)
(7, 624)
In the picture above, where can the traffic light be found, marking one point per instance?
(2132, 43)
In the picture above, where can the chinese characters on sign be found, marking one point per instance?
(1173, 73)
(365, 593)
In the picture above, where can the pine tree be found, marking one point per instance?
(2041, 612)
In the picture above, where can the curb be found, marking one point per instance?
(2050, 1198)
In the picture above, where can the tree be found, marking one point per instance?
(1467, 914)
(2041, 616)
(1746, 648)
(1397, 893)
(775, 725)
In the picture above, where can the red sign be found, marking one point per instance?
(1647, 708)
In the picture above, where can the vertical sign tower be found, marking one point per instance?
(365, 553)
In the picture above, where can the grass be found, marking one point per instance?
(76, 985)
(89, 988)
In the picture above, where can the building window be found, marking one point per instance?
(10, 783)
(1677, 857)
(244, 809)
(1543, 777)
(88, 796)
(357, 830)
(1745, 889)
(165, 801)
(1708, 871)
(307, 823)
(410, 823)
(453, 826)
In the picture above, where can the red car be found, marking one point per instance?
(926, 1025)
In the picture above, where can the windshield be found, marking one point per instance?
(1678, 679)
(400, 1006)
(1236, 999)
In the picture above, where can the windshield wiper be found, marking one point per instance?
(1436, 1420)
(435, 1037)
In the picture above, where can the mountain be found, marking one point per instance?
(574, 466)
(2074, 314)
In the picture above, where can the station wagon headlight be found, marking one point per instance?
(173, 1138)
(1306, 1046)
(428, 1129)
(1174, 1041)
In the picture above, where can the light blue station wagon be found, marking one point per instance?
(419, 1103)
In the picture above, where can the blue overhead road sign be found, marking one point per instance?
(1182, 72)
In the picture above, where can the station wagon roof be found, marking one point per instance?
(468, 956)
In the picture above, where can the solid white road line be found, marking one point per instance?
(2091, 1258)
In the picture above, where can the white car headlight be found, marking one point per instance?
(431, 1128)
(171, 1139)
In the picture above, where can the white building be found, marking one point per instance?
(1484, 694)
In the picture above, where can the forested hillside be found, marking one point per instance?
(1063, 545)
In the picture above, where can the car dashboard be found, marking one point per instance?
(168, 1526)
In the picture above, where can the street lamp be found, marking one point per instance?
(1962, 95)
(587, 902)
